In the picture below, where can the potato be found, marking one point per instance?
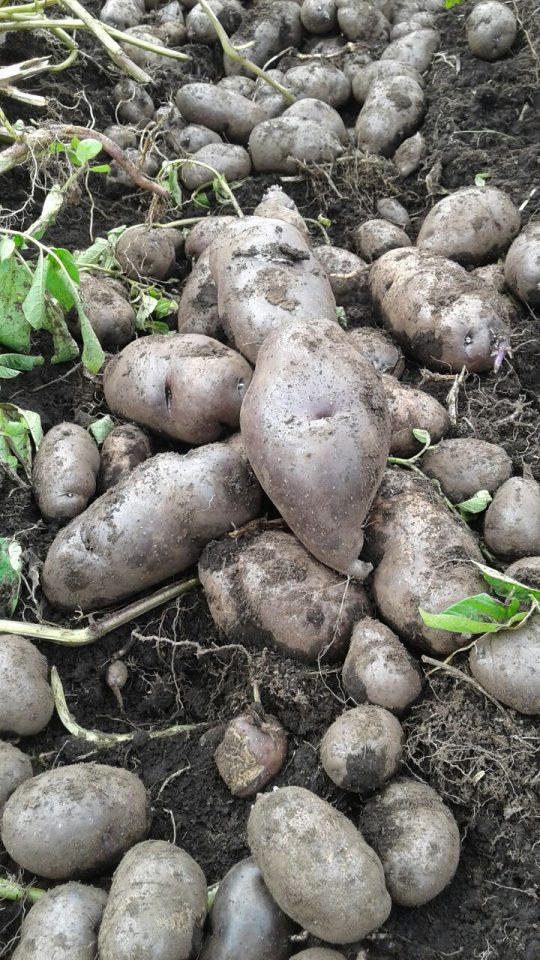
(26, 700)
(221, 110)
(473, 226)
(441, 316)
(269, 28)
(244, 921)
(204, 233)
(150, 526)
(119, 180)
(124, 449)
(228, 159)
(277, 205)
(65, 472)
(72, 822)
(123, 136)
(375, 237)
(526, 570)
(318, 953)
(361, 21)
(198, 309)
(348, 274)
(63, 924)
(191, 138)
(463, 467)
(362, 748)
(156, 905)
(412, 409)
(251, 753)
(134, 103)
(145, 58)
(391, 209)
(268, 589)
(200, 30)
(422, 556)
(122, 14)
(15, 768)
(410, 154)
(512, 521)
(272, 102)
(404, 27)
(379, 669)
(416, 837)
(416, 49)
(319, 80)
(145, 254)
(392, 110)
(319, 16)
(492, 274)
(277, 144)
(319, 111)
(188, 387)
(316, 429)
(522, 265)
(246, 86)
(377, 347)
(491, 29)
(507, 666)
(110, 314)
(380, 70)
(317, 866)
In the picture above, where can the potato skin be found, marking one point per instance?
(65, 470)
(111, 317)
(124, 449)
(319, 80)
(156, 905)
(415, 49)
(392, 111)
(198, 310)
(465, 466)
(348, 274)
(522, 265)
(63, 924)
(377, 347)
(472, 226)
(229, 159)
(269, 27)
(375, 237)
(317, 866)
(411, 409)
(507, 664)
(251, 753)
(205, 232)
(146, 254)
(223, 111)
(379, 669)
(525, 570)
(15, 768)
(362, 748)
(277, 144)
(380, 70)
(512, 521)
(26, 700)
(491, 30)
(72, 822)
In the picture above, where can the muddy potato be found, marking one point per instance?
(191, 138)
(491, 29)
(379, 669)
(473, 226)
(416, 838)
(148, 59)
(392, 111)
(318, 953)
(507, 664)
(277, 205)
(134, 104)
(348, 274)
(361, 21)
(317, 866)
(465, 466)
(118, 179)
(492, 274)
(251, 753)
(205, 232)
(319, 16)
(122, 14)
(269, 27)
(122, 135)
(380, 70)
(65, 472)
(124, 449)
(228, 159)
(156, 905)
(522, 265)
(410, 154)
(319, 80)
(145, 254)
(72, 822)
(375, 237)
(246, 86)
(26, 700)
(63, 924)
(391, 209)
(404, 27)
(512, 521)
(377, 347)
(268, 589)
(222, 110)
(272, 102)
(188, 387)
(277, 144)
(416, 49)
(526, 570)
(362, 748)
(412, 409)
(110, 314)
(15, 768)
(200, 30)
(320, 112)
(150, 526)
(198, 309)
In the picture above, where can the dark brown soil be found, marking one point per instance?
(481, 118)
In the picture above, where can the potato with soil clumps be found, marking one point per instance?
(361, 21)
(392, 111)
(111, 316)
(156, 905)
(124, 449)
(146, 254)
(465, 466)
(317, 866)
(316, 428)
(276, 145)
(26, 700)
(415, 49)
(200, 30)
(348, 274)
(473, 226)
(268, 28)
(380, 70)
(319, 80)
(417, 839)
(377, 347)
(188, 387)
(522, 265)
(228, 159)
(65, 472)
(223, 111)
(526, 570)
(441, 315)
(491, 30)
(362, 748)
(72, 822)
(379, 669)
(15, 768)
(507, 664)
(198, 307)
(267, 589)
(375, 237)
(63, 924)
(150, 526)
(412, 409)
(251, 753)
(422, 555)
(512, 521)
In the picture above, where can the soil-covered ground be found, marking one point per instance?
(482, 118)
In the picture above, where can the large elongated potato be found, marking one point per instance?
(15, 768)
(415, 49)
(223, 111)
(507, 664)
(316, 428)
(156, 905)
(151, 525)
(72, 822)
(473, 226)
(63, 924)
(277, 144)
(26, 700)
(512, 522)
(317, 866)
(392, 111)
(65, 472)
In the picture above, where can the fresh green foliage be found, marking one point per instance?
(101, 428)
(12, 364)
(151, 307)
(480, 179)
(324, 221)
(20, 434)
(474, 505)
(80, 153)
(448, 4)
(424, 438)
(10, 574)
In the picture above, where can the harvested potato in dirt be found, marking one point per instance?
(410, 154)
(442, 316)
(150, 526)
(123, 136)
(391, 209)
(318, 953)
(380, 70)
(412, 409)
(146, 58)
(15, 768)
(319, 16)
(512, 521)
(157, 901)
(348, 274)
(507, 664)
(251, 753)
(134, 103)
(377, 347)
(316, 428)
(200, 30)
(122, 14)
(522, 265)
(145, 254)
(204, 233)
(375, 237)
(392, 110)
(320, 112)
(110, 314)
(416, 49)
(319, 80)
(246, 86)
(422, 556)
(416, 837)
(188, 387)
(361, 21)
(491, 29)
(276, 145)
(191, 138)
(492, 274)
(473, 226)
(118, 179)
(63, 924)
(404, 27)
(124, 449)
(224, 111)
(269, 28)
(268, 589)
(245, 921)
(72, 822)
(362, 748)
(26, 700)
(379, 669)
(465, 466)
(526, 570)
(198, 309)
(228, 159)
(317, 866)
(277, 205)
(65, 472)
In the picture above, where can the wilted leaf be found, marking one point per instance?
(10, 574)
(15, 282)
(100, 429)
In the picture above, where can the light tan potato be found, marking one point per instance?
(363, 748)
(492, 274)
(377, 347)
(526, 570)
(491, 29)
(417, 839)
(65, 472)
(110, 314)
(224, 111)
(391, 209)
(412, 409)
(379, 669)
(375, 237)
(416, 49)
(319, 16)
(507, 664)
(277, 205)
(198, 310)
(200, 30)
(26, 700)
(380, 70)
(392, 111)
(522, 265)
(62, 924)
(320, 112)
(204, 233)
(15, 768)
(124, 449)
(361, 21)
(463, 467)
(316, 865)
(268, 27)
(122, 14)
(277, 144)
(473, 226)
(512, 521)
(319, 80)
(228, 159)
(410, 154)
(134, 103)
(267, 589)
(348, 274)
(145, 254)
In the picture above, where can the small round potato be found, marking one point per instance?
(124, 449)
(123, 136)
(377, 347)
(118, 180)
(145, 254)
(221, 110)
(379, 669)
(277, 205)
(522, 265)
(204, 233)
(362, 748)
(492, 274)
(191, 138)
(228, 159)
(134, 104)
(473, 226)
(65, 472)
(362, 21)
(465, 466)
(491, 29)
(15, 768)
(251, 753)
(110, 314)
(319, 16)
(26, 700)
(200, 30)
(526, 570)
(507, 664)
(348, 274)
(63, 924)
(122, 14)
(375, 237)
(412, 409)
(391, 209)
(512, 522)
(410, 154)
(319, 80)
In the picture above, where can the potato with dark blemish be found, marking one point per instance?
(362, 748)
(62, 924)
(251, 753)
(65, 470)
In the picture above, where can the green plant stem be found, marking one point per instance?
(188, 222)
(114, 50)
(9, 890)
(73, 51)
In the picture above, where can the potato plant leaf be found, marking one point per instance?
(483, 607)
(101, 428)
(34, 306)
(20, 430)
(87, 149)
(7, 247)
(476, 504)
(12, 364)
(457, 624)
(10, 575)
(15, 282)
(506, 586)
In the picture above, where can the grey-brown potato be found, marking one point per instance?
(416, 49)
(122, 135)
(422, 555)
(156, 906)
(316, 428)
(319, 16)
(147, 59)
(491, 29)
(410, 154)
(361, 21)
(272, 101)
(204, 233)
(277, 144)
(507, 664)
(378, 347)
(111, 316)
(245, 922)
(318, 953)
(380, 70)
(150, 526)
(348, 274)
(492, 274)
(375, 237)
(473, 226)
(65, 472)
(198, 308)
(404, 27)
(145, 253)
(124, 449)
(26, 700)
(269, 28)
(277, 205)
(442, 316)
(512, 521)
(465, 466)
(122, 14)
(267, 589)
(363, 748)
(15, 768)
(246, 86)
(416, 837)
(63, 924)
(379, 669)
(118, 179)
(525, 570)
(200, 30)
(317, 866)
(310, 109)
(412, 409)
(228, 159)
(191, 138)
(392, 111)
(391, 209)
(222, 110)
(522, 264)
(351, 62)
(319, 80)
(134, 104)
(188, 387)
(72, 822)
(251, 753)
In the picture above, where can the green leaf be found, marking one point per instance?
(11, 364)
(476, 504)
(341, 317)
(18, 430)
(422, 436)
(15, 281)
(483, 606)
(10, 574)
(100, 429)
(58, 288)
(448, 4)
(7, 247)
(174, 187)
(165, 307)
(33, 422)
(201, 199)
(65, 347)
(506, 586)
(157, 326)
(324, 221)
(67, 260)
(102, 168)
(34, 307)
(480, 179)
(87, 149)
(455, 624)
(93, 357)
(57, 148)
(101, 253)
